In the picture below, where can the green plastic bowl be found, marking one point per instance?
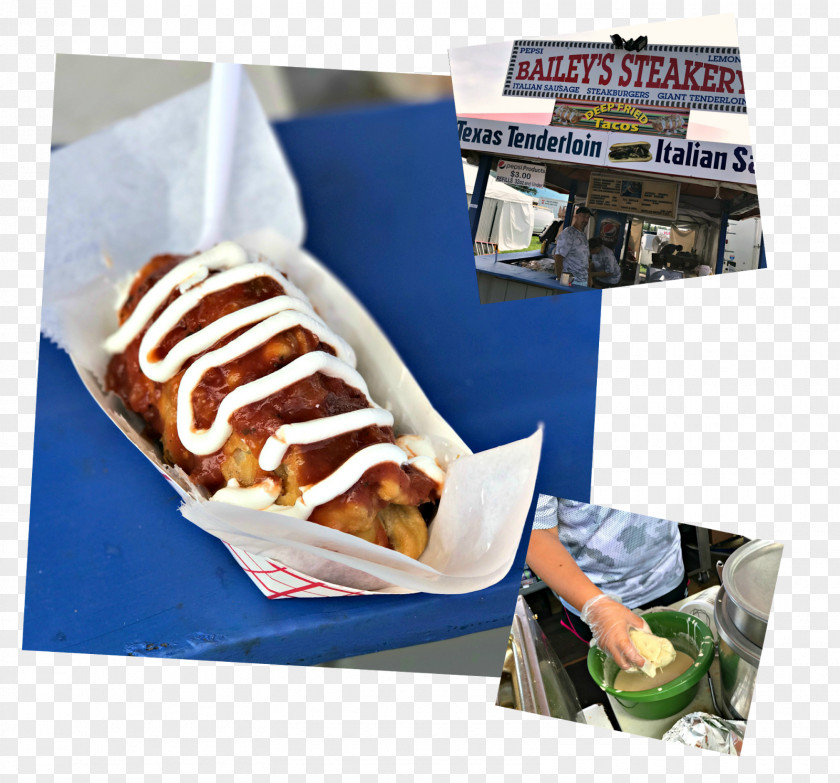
(688, 635)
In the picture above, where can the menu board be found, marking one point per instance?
(633, 195)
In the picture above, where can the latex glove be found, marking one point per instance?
(610, 622)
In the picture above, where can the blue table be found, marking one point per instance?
(114, 569)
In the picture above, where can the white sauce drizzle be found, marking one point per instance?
(349, 473)
(222, 256)
(207, 441)
(337, 483)
(257, 496)
(422, 456)
(269, 318)
(317, 430)
(164, 369)
(429, 466)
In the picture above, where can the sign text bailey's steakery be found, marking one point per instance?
(698, 77)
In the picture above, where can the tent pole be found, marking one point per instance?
(762, 256)
(724, 222)
(625, 232)
(570, 204)
(619, 242)
(482, 177)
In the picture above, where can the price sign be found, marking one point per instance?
(515, 172)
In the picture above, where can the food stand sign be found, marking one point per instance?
(649, 154)
(515, 172)
(695, 77)
(681, 157)
(633, 195)
(617, 116)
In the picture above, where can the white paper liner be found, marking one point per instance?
(475, 535)
(136, 189)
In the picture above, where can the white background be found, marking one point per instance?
(715, 407)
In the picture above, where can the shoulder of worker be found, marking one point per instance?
(570, 234)
(655, 527)
(578, 515)
(546, 514)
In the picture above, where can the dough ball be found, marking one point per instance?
(657, 651)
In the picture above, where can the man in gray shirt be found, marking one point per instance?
(571, 255)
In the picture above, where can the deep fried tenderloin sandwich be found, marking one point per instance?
(630, 151)
(257, 399)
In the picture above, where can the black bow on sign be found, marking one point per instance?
(631, 44)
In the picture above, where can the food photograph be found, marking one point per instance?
(291, 495)
(602, 161)
(286, 417)
(639, 624)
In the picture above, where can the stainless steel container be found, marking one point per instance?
(742, 609)
(749, 578)
(533, 679)
(739, 659)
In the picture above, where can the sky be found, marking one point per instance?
(478, 75)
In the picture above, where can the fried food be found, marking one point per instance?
(258, 400)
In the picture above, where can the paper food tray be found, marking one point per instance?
(475, 535)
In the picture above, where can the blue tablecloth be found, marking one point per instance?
(113, 568)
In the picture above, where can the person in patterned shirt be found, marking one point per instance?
(604, 271)
(571, 254)
(601, 563)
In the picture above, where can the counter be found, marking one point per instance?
(113, 568)
(503, 282)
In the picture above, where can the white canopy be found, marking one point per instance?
(507, 216)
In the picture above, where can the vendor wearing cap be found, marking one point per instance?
(571, 255)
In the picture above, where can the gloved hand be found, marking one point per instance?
(610, 622)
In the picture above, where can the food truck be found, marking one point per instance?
(624, 154)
